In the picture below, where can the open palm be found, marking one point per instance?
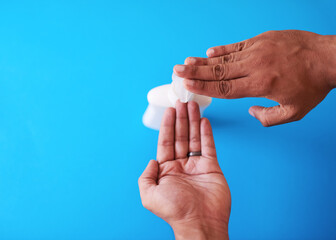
(186, 190)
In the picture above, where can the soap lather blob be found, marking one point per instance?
(177, 86)
(165, 96)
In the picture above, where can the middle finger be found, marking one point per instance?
(181, 131)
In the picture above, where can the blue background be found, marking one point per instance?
(73, 82)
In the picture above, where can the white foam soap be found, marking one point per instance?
(178, 91)
(165, 96)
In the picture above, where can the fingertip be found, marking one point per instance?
(153, 164)
(193, 111)
(180, 106)
(255, 110)
(181, 110)
(174, 70)
(169, 117)
(152, 161)
(170, 111)
(262, 114)
(206, 126)
(179, 69)
(193, 106)
(251, 112)
(210, 52)
(204, 119)
(190, 60)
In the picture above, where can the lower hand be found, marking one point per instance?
(190, 193)
(297, 69)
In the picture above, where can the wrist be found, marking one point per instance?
(330, 59)
(196, 230)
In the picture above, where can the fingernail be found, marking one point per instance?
(251, 113)
(210, 52)
(179, 68)
(191, 60)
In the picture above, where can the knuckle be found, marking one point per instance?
(240, 46)
(224, 88)
(227, 58)
(194, 140)
(270, 81)
(212, 61)
(193, 70)
(181, 138)
(219, 72)
(200, 85)
(167, 143)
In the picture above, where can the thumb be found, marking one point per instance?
(149, 176)
(273, 115)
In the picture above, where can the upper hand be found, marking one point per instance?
(295, 68)
(190, 193)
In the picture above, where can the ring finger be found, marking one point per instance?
(181, 130)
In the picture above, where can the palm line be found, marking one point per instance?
(190, 175)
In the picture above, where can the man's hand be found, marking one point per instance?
(190, 193)
(295, 68)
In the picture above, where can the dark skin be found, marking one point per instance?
(297, 69)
